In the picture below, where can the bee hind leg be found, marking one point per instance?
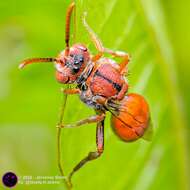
(91, 155)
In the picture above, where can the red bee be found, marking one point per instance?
(101, 84)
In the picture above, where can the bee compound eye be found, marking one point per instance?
(76, 62)
(78, 59)
(75, 70)
(81, 59)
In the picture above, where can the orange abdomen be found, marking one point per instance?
(132, 119)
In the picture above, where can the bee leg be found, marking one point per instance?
(70, 91)
(125, 56)
(92, 155)
(122, 92)
(97, 57)
(91, 119)
(96, 41)
(99, 46)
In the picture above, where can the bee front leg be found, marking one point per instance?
(96, 41)
(99, 46)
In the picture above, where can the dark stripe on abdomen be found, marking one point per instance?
(115, 85)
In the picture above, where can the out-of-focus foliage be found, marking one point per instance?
(155, 33)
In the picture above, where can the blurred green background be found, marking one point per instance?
(156, 34)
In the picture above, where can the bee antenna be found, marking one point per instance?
(36, 60)
(67, 26)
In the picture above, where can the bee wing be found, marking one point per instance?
(115, 108)
(149, 132)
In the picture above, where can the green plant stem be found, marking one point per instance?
(63, 105)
